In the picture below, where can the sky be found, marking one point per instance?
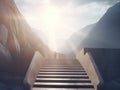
(59, 19)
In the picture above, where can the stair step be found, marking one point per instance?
(61, 67)
(64, 81)
(62, 76)
(63, 85)
(60, 70)
(62, 88)
(63, 73)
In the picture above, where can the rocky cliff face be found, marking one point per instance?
(18, 40)
(20, 34)
(104, 34)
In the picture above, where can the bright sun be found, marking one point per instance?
(51, 21)
(51, 17)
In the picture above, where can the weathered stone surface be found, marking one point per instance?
(3, 34)
(108, 63)
(33, 69)
(5, 56)
(106, 32)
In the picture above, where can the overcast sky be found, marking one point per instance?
(59, 19)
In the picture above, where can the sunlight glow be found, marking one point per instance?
(59, 19)
(51, 17)
(51, 20)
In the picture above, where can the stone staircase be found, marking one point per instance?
(62, 75)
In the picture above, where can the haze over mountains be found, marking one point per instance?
(72, 44)
(104, 34)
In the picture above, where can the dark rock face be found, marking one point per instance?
(106, 33)
(108, 63)
(5, 58)
(3, 34)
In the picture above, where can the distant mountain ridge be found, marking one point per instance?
(104, 34)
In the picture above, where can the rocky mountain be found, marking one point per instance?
(104, 34)
(18, 42)
(20, 34)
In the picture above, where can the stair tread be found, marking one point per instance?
(62, 89)
(60, 76)
(58, 83)
(62, 73)
(61, 79)
(60, 66)
(62, 70)
(61, 85)
(65, 81)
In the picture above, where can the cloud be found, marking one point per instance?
(83, 2)
(109, 2)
